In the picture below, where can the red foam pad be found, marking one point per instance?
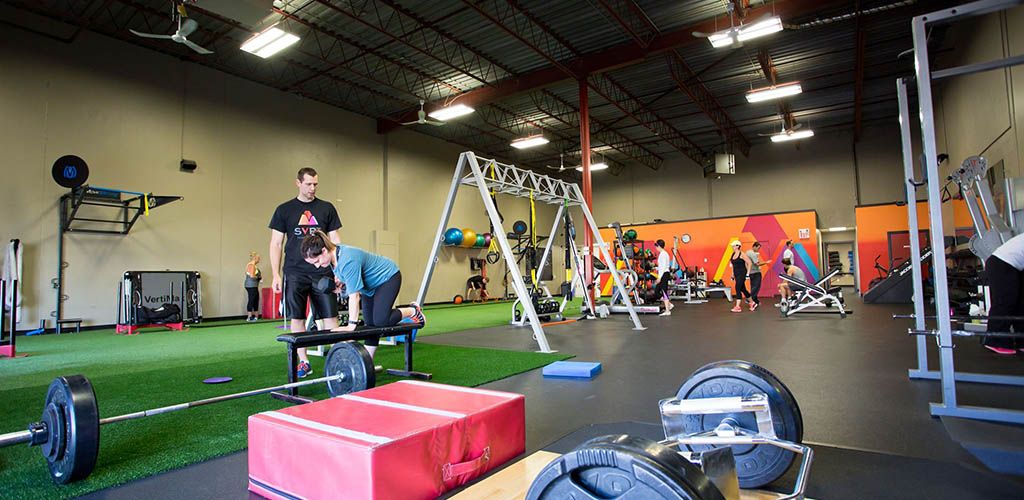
(434, 437)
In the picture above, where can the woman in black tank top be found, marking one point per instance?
(740, 264)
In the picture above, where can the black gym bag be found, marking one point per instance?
(166, 313)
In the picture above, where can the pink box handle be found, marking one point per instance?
(449, 470)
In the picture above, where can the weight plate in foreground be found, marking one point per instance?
(622, 467)
(73, 422)
(352, 360)
(757, 465)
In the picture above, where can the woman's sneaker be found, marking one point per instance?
(737, 309)
(418, 317)
(1001, 350)
(304, 369)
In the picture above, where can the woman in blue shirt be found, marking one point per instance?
(372, 283)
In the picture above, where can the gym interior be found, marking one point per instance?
(632, 249)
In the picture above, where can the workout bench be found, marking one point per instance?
(813, 295)
(317, 338)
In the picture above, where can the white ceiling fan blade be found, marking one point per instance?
(149, 35)
(434, 123)
(188, 27)
(196, 48)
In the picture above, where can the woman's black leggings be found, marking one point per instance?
(253, 304)
(741, 287)
(1006, 287)
(378, 309)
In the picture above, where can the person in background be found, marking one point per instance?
(1006, 289)
(252, 287)
(795, 272)
(372, 282)
(754, 273)
(740, 263)
(664, 276)
(478, 283)
(788, 252)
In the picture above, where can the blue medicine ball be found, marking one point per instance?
(453, 236)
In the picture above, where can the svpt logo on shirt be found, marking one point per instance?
(307, 224)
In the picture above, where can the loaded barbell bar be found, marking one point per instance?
(68, 432)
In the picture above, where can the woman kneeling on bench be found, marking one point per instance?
(372, 282)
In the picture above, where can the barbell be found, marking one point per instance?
(68, 433)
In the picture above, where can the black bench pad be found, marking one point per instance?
(305, 339)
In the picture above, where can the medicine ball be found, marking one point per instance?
(519, 227)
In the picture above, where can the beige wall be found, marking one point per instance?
(133, 113)
(820, 175)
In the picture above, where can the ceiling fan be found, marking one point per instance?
(422, 118)
(185, 28)
(735, 35)
(794, 128)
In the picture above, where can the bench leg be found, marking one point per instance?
(292, 376)
(408, 371)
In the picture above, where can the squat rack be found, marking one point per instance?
(947, 374)
(508, 179)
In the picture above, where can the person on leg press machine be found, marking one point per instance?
(372, 282)
(1006, 289)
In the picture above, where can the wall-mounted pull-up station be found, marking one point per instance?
(90, 209)
(489, 176)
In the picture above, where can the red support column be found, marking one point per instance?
(588, 237)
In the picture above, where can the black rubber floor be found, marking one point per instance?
(849, 377)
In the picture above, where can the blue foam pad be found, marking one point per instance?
(573, 369)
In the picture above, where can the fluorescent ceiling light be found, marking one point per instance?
(450, 112)
(529, 142)
(783, 137)
(761, 28)
(269, 42)
(594, 166)
(775, 92)
(838, 228)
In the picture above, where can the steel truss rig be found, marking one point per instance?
(508, 179)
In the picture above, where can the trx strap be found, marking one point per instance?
(493, 253)
(533, 239)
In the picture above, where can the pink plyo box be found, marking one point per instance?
(403, 441)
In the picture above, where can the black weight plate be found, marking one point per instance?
(70, 171)
(353, 360)
(79, 433)
(757, 465)
(622, 467)
(53, 419)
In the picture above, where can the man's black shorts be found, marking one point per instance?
(299, 287)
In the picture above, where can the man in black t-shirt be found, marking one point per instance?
(477, 283)
(292, 221)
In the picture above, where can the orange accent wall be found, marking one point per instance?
(710, 237)
(874, 223)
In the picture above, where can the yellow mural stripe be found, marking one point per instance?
(725, 261)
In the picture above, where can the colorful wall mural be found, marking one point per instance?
(709, 240)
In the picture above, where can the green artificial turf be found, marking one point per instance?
(449, 318)
(160, 367)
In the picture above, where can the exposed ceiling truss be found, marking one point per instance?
(656, 89)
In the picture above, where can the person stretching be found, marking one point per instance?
(478, 283)
(371, 281)
(664, 276)
(740, 264)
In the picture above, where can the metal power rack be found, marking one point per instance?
(944, 332)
